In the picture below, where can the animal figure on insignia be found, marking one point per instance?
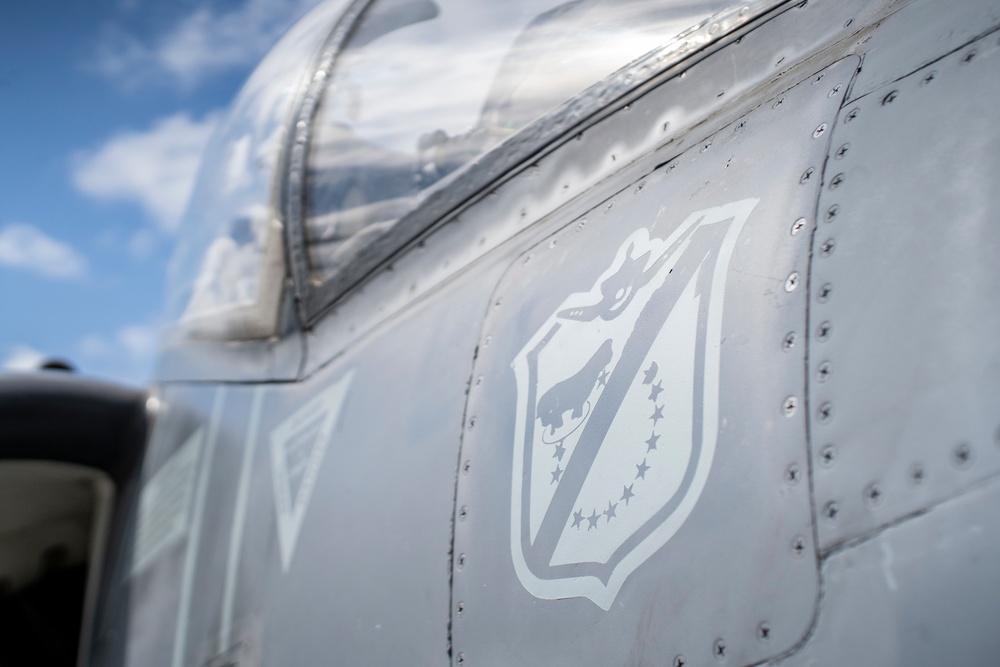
(618, 289)
(572, 393)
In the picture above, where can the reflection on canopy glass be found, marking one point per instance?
(424, 87)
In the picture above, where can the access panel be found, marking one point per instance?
(633, 482)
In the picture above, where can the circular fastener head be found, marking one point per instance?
(832, 213)
(466, 466)
(779, 101)
(819, 131)
(824, 331)
(793, 474)
(460, 659)
(719, 650)
(890, 97)
(764, 632)
(827, 248)
(789, 341)
(680, 661)
(831, 511)
(460, 608)
(792, 281)
(799, 546)
(827, 456)
(824, 371)
(824, 292)
(841, 152)
(852, 115)
(806, 175)
(873, 495)
(961, 455)
(825, 412)
(487, 341)
(837, 181)
(836, 90)
(790, 405)
(799, 225)
(969, 57)
(463, 513)
(917, 473)
(929, 77)
(461, 560)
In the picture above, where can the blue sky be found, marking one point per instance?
(105, 106)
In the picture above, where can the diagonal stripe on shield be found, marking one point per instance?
(617, 410)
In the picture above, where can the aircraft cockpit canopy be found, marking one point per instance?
(400, 102)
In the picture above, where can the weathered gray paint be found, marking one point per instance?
(906, 278)
(375, 575)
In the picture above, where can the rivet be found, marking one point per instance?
(969, 57)
(827, 248)
(849, 22)
(789, 342)
(873, 495)
(851, 115)
(780, 100)
(792, 474)
(764, 632)
(824, 292)
(837, 181)
(463, 513)
(819, 131)
(806, 175)
(824, 371)
(706, 147)
(680, 661)
(962, 455)
(719, 650)
(917, 473)
(472, 421)
(460, 608)
(466, 466)
(930, 76)
(827, 456)
(460, 659)
(825, 412)
(553, 243)
(487, 341)
(798, 226)
(479, 380)
(836, 90)
(890, 98)
(824, 331)
(527, 258)
(831, 213)
(841, 152)
(461, 561)
(831, 510)
(790, 405)
(819, 77)
(798, 546)
(791, 282)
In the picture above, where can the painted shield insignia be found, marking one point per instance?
(618, 410)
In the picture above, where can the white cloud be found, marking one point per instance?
(155, 169)
(126, 355)
(26, 247)
(205, 42)
(22, 358)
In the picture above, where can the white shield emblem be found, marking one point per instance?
(617, 410)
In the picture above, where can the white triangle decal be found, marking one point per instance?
(298, 445)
